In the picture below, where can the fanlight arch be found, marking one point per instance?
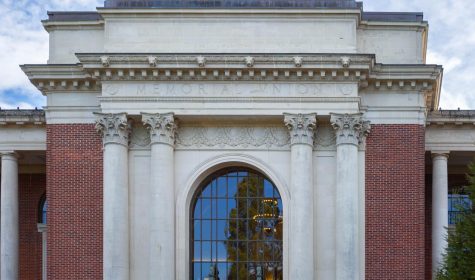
(236, 224)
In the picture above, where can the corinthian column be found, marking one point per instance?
(162, 129)
(301, 251)
(9, 244)
(115, 133)
(350, 131)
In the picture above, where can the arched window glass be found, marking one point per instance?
(42, 210)
(236, 227)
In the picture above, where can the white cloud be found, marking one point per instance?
(23, 40)
(451, 42)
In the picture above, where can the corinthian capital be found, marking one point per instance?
(350, 128)
(162, 127)
(113, 128)
(302, 127)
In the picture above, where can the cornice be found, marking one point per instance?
(451, 117)
(60, 77)
(137, 12)
(362, 69)
(22, 117)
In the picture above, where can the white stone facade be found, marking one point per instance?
(179, 94)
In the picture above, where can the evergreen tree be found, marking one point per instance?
(459, 261)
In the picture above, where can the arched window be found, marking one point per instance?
(42, 210)
(236, 227)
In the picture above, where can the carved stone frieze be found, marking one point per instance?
(162, 127)
(302, 127)
(350, 128)
(113, 128)
(139, 138)
(233, 137)
(325, 138)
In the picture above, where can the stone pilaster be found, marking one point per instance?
(350, 131)
(115, 132)
(9, 235)
(301, 250)
(162, 128)
(440, 208)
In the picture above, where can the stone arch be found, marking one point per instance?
(199, 174)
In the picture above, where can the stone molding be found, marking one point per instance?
(357, 68)
(114, 128)
(162, 128)
(233, 137)
(301, 127)
(350, 128)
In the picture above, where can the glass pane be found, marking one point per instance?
(206, 251)
(221, 211)
(232, 186)
(222, 231)
(206, 210)
(221, 187)
(268, 189)
(197, 271)
(206, 191)
(197, 210)
(197, 252)
(206, 229)
(197, 229)
(232, 211)
(222, 253)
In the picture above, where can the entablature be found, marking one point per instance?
(360, 69)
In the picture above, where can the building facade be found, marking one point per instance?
(231, 140)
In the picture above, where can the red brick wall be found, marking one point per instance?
(74, 191)
(428, 225)
(31, 189)
(395, 203)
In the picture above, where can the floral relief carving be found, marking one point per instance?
(162, 127)
(233, 137)
(325, 138)
(301, 127)
(350, 128)
(113, 128)
(140, 137)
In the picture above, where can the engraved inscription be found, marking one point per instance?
(230, 89)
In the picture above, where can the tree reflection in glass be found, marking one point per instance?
(237, 228)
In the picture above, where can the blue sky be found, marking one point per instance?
(451, 44)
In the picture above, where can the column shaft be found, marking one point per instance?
(350, 132)
(347, 238)
(439, 208)
(116, 214)
(115, 132)
(162, 208)
(9, 235)
(162, 254)
(301, 249)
